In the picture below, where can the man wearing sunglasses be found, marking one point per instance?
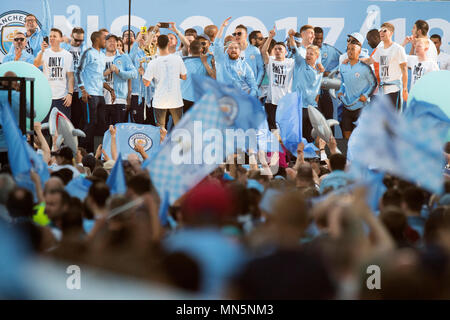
(354, 38)
(250, 53)
(256, 38)
(393, 67)
(76, 47)
(19, 53)
(358, 85)
(230, 68)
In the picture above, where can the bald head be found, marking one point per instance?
(54, 183)
(211, 31)
(14, 84)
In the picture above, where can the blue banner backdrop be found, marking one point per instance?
(337, 17)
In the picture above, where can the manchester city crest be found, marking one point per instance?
(142, 139)
(10, 22)
(229, 106)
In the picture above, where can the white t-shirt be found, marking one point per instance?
(280, 75)
(55, 67)
(166, 71)
(420, 68)
(108, 79)
(390, 60)
(431, 53)
(444, 61)
(76, 56)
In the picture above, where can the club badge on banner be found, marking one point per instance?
(128, 135)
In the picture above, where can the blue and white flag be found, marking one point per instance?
(289, 120)
(384, 140)
(130, 134)
(242, 111)
(116, 180)
(191, 151)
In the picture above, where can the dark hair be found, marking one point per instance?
(20, 203)
(436, 36)
(103, 30)
(95, 35)
(280, 44)
(395, 222)
(77, 30)
(195, 47)
(373, 33)
(56, 30)
(253, 35)
(241, 26)
(392, 197)
(64, 174)
(190, 32)
(318, 30)
(131, 31)
(438, 219)
(422, 25)
(99, 193)
(89, 161)
(414, 198)
(140, 184)
(301, 274)
(100, 173)
(72, 219)
(337, 162)
(163, 41)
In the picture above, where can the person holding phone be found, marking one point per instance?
(166, 71)
(58, 68)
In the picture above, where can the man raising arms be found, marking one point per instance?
(166, 70)
(280, 72)
(230, 69)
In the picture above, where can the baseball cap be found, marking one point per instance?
(108, 165)
(357, 36)
(204, 36)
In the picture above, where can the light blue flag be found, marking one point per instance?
(130, 134)
(430, 115)
(191, 150)
(242, 110)
(164, 208)
(116, 180)
(78, 187)
(386, 141)
(289, 120)
(19, 159)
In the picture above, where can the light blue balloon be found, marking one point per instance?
(42, 90)
(434, 88)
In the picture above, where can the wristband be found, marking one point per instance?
(71, 93)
